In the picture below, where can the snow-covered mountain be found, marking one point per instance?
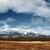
(8, 31)
(20, 33)
(11, 33)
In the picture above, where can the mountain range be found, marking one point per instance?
(19, 34)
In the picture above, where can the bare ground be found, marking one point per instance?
(24, 45)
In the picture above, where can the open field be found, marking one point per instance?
(24, 45)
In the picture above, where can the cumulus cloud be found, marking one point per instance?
(43, 11)
(23, 25)
(37, 21)
(40, 21)
(39, 7)
(7, 20)
(6, 29)
(42, 31)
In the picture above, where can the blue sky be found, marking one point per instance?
(26, 14)
(19, 18)
(22, 19)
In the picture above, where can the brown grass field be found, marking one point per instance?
(24, 45)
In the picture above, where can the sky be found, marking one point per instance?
(33, 15)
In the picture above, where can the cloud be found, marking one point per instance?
(43, 11)
(7, 20)
(6, 29)
(24, 25)
(47, 27)
(42, 31)
(40, 21)
(37, 21)
(39, 7)
(4, 6)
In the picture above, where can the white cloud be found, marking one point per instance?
(10, 19)
(39, 7)
(43, 11)
(40, 21)
(39, 30)
(42, 31)
(36, 21)
(7, 20)
(23, 25)
(48, 27)
(4, 5)
(5, 29)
